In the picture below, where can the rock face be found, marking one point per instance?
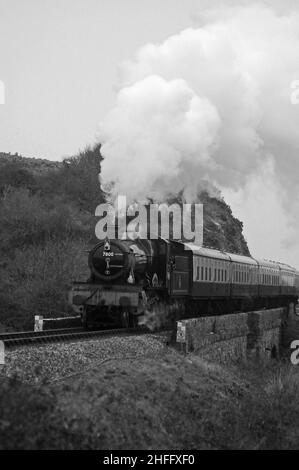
(221, 229)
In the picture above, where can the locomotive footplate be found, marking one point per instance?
(99, 295)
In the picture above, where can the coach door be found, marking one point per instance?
(180, 275)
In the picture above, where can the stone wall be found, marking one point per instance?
(221, 338)
(232, 337)
(263, 340)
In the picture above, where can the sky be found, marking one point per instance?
(64, 64)
(59, 63)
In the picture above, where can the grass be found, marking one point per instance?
(170, 402)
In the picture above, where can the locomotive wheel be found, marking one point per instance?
(84, 318)
(125, 319)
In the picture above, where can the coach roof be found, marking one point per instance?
(207, 252)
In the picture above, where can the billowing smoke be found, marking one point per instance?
(157, 136)
(211, 103)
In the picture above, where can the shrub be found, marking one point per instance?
(77, 180)
(37, 279)
(29, 219)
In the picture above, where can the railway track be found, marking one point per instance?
(66, 334)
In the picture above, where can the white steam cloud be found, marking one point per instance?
(157, 133)
(212, 102)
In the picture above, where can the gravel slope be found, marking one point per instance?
(55, 361)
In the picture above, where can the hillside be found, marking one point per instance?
(47, 221)
(33, 165)
(149, 397)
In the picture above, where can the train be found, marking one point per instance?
(153, 282)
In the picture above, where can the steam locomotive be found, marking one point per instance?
(151, 282)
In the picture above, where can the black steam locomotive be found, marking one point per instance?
(151, 282)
